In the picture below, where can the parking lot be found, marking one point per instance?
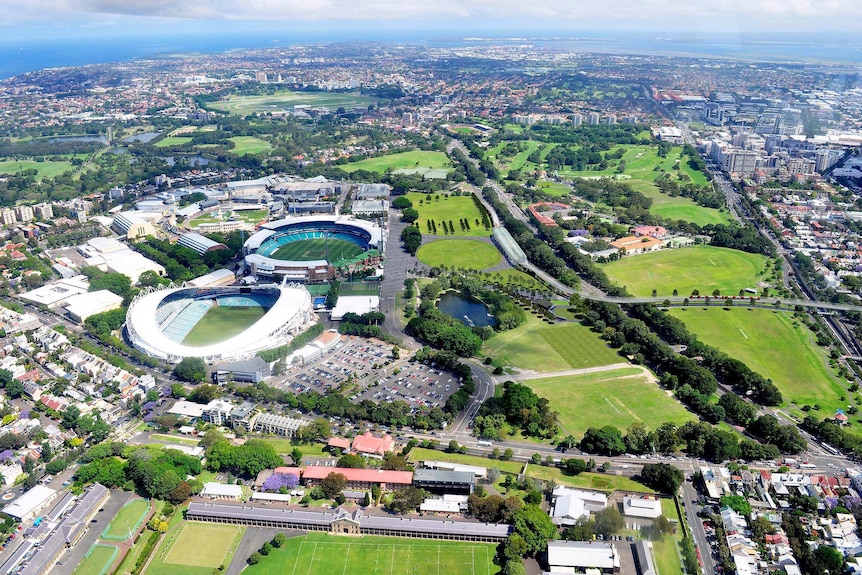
(364, 370)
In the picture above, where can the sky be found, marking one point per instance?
(70, 18)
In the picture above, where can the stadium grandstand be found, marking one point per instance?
(200, 244)
(167, 322)
(310, 248)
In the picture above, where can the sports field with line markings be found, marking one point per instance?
(202, 544)
(317, 249)
(322, 554)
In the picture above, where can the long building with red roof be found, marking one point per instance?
(359, 478)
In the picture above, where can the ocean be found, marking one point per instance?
(20, 56)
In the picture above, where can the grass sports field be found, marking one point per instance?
(619, 397)
(453, 209)
(173, 141)
(705, 268)
(322, 554)
(402, 160)
(598, 481)
(285, 100)
(541, 347)
(251, 216)
(98, 560)
(221, 323)
(640, 173)
(249, 145)
(127, 520)
(770, 344)
(317, 249)
(467, 254)
(43, 169)
(191, 548)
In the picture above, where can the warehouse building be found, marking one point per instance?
(443, 481)
(343, 523)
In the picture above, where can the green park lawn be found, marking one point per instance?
(249, 145)
(124, 524)
(422, 454)
(222, 323)
(640, 174)
(251, 216)
(323, 554)
(704, 268)
(452, 208)
(192, 548)
(403, 160)
(774, 345)
(175, 439)
(173, 141)
(285, 100)
(98, 560)
(285, 446)
(619, 397)
(541, 347)
(48, 169)
(513, 277)
(666, 549)
(467, 254)
(554, 188)
(597, 481)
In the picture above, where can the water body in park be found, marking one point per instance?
(93, 138)
(143, 138)
(466, 310)
(192, 160)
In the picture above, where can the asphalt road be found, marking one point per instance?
(252, 540)
(690, 496)
(76, 554)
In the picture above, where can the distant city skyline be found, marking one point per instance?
(51, 18)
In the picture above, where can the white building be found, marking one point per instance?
(214, 490)
(578, 556)
(54, 294)
(132, 225)
(82, 306)
(569, 505)
(28, 505)
(644, 507)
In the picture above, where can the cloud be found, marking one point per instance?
(695, 15)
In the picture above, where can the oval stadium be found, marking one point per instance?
(309, 248)
(217, 324)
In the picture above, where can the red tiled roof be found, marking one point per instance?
(360, 475)
(367, 443)
(338, 442)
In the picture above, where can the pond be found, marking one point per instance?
(468, 311)
(143, 138)
(86, 138)
(191, 160)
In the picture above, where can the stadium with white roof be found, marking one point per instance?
(265, 251)
(159, 321)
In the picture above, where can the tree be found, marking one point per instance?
(191, 369)
(254, 558)
(296, 456)
(351, 461)
(14, 389)
(830, 558)
(535, 527)
(279, 540)
(266, 548)
(608, 521)
(333, 484)
(662, 477)
(70, 417)
(205, 393)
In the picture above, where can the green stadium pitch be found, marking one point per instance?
(323, 554)
(222, 323)
(316, 249)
